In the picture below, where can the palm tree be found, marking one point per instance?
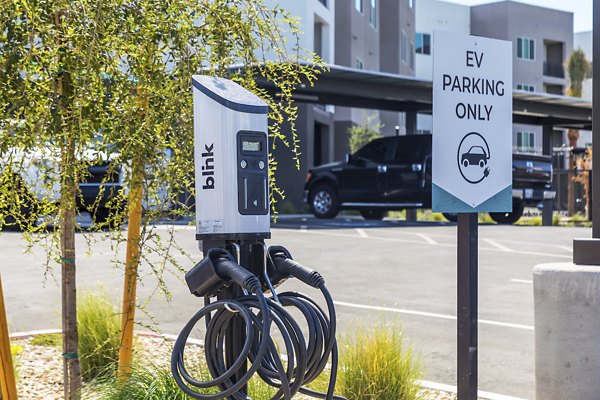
(578, 68)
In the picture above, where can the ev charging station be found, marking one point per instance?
(232, 223)
(231, 160)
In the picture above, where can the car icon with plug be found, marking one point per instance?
(475, 156)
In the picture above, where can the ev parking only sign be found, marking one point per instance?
(472, 124)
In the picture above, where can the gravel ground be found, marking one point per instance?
(40, 369)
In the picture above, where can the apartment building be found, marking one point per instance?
(376, 35)
(315, 123)
(435, 15)
(542, 40)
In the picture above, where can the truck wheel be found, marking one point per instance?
(324, 201)
(373, 214)
(451, 217)
(508, 217)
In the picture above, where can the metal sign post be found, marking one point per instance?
(472, 162)
(467, 306)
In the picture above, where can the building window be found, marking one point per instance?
(358, 4)
(403, 50)
(525, 87)
(359, 63)
(373, 13)
(525, 48)
(525, 141)
(412, 55)
(423, 43)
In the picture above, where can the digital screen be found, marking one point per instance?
(248, 145)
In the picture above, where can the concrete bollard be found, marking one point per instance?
(567, 331)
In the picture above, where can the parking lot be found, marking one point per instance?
(377, 271)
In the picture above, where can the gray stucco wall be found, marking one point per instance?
(508, 20)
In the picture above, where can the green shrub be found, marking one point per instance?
(99, 335)
(144, 383)
(556, 220)
(484, 218)
(47, 340)
(377, 365)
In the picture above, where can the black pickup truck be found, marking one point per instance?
(394, 173)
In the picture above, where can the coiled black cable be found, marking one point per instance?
(306, 358)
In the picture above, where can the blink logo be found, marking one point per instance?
(208, 169)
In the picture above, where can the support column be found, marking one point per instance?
(547, 145)
(411, 129)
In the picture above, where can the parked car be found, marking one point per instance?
(394, 173)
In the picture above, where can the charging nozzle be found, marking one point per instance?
(216, 271)
(281, 266)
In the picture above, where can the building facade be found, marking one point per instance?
(315, 123)
(375, 35)
(542, 40)
(435, 15)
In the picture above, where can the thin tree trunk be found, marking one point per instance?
(7, 378)
(68, 200)
(71, 365)
(132, 260)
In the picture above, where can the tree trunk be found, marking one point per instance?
(67, 212)
(132, 260)
(72, 369)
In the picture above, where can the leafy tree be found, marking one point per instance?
(364, 133)
(85, 82)
(578, 68)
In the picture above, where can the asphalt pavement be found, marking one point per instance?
(377, 271)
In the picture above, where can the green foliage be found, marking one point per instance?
(93, 82)
(555, 219)
(363, 134)
(484, 218)
(86, 83)
(578, 69)
(99, 338)
(47, 340)
(377, 364)
(145, 383)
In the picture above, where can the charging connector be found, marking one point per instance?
(216, 271)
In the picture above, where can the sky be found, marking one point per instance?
(581, 9)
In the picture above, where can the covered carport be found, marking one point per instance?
(347, 87)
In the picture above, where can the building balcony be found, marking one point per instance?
(555, 70)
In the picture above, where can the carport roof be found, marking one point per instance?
(350, 87)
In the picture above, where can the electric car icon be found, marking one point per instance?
(475, 156)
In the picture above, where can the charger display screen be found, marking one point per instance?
(251, 145)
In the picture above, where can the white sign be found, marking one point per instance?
(472, 124)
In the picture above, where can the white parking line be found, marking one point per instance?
(497, 245)
(522, 281)
(426, 238)
(453, 245)
(431, 315)
(361, 233)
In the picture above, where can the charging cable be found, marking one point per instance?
(306, 357)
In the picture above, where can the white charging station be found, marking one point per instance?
(231, 161)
